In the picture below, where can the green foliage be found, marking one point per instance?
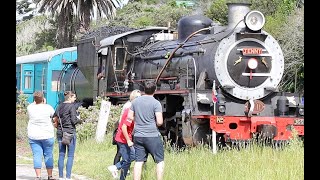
(291, 38)
(35, 35)
(218, 12)
(143, 22)
(45, 40)
(21, 105)
(148, 1)
(143, 14)
(170, 15)
(89, 119)
(86, 131)
(275, 20)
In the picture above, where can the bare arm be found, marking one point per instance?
(159, 118)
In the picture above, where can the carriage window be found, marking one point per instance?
(120, 57)
(27, 79)
(55, 80)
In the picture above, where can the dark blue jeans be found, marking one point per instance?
(62, 152)
(127, 156)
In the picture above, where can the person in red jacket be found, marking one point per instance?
(124, 140)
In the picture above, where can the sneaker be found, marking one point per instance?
(51, 178)
(38, 178)
(114, 171)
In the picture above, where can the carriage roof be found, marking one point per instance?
(43, 56)
(110, 40)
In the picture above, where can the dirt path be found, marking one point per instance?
(25, 171)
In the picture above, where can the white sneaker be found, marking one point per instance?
(114, 171)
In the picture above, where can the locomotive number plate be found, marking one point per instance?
(298, 121)
(258, 107)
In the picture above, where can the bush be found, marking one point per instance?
(22, 103)
(89, 120)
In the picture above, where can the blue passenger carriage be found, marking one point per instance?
(42, 72)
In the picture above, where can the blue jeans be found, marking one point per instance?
(62, 151)
(127, 156)
(43, 147)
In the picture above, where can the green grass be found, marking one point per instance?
(260, 163)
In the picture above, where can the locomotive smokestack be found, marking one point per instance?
(236, 13)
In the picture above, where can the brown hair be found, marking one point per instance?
(68, 95)
(38, 97)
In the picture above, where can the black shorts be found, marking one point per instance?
(146, 145)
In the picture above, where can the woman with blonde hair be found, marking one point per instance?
(124, 140)
(67, 120)
(41, 134)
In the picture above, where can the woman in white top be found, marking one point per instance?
(41, 134)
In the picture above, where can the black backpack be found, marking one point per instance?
(114, 142)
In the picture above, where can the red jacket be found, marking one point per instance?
(130, 125)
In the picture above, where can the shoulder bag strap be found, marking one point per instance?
(59, 118)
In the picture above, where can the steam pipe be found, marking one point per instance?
(174, 51)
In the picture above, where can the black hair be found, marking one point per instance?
(150, 87)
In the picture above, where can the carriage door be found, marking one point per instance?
(27, 78)
(18, 81)
(119, 67)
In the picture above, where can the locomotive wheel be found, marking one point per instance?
(195, 132)
(173, 134)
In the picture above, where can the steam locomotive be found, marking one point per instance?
(217, 84)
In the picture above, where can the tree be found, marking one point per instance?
(291, 39)
(75, 15)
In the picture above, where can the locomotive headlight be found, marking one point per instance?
(222, 108)
(252, 63)
(254, 20)
(301, 111)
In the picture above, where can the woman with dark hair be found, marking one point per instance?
(67, 120)
(41, 134)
